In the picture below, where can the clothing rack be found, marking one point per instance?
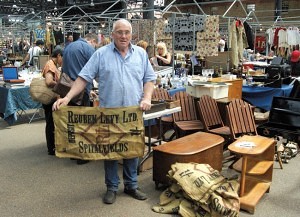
(224, 15)
(278, 19)
(169, 6)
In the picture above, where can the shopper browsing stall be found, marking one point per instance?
(163, 57)
(294, 60)
(51, 74)
(33, 52)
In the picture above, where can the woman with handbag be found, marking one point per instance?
(51, 73)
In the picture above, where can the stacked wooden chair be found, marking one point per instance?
(167, 121)
(186, 121)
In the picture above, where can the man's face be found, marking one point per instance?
(93, 43)
(122, 36)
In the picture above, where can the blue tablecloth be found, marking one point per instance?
(175, 90)
(262, 97)
(13, 100)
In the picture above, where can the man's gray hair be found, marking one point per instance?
(123, 21)
(91, 37)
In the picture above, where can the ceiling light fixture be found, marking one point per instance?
(55, 8)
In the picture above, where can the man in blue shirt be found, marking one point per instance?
(76, 55)
(69, 40)
(125, 78)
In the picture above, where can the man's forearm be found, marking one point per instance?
(148, 90)
(77, 88)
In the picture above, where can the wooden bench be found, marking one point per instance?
(200, 147)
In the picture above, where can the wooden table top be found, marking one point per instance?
(243, 145)
(193, 143)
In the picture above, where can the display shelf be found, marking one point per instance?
(256, 167)
(253, 193)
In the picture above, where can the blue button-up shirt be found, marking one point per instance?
(120, 80)
(75, 56)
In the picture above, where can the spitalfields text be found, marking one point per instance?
(102, 118)
(102, 148)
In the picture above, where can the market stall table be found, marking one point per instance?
(14, 100)
(149, 117)
(262, 97)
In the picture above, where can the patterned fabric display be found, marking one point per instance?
(207, 41)
(186, 24)
(184, 41)
(184, 28)
(39, 34)
(159, 26)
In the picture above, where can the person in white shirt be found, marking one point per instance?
(222, 45)
(32, 52)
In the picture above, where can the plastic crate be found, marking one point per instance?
(216, 91)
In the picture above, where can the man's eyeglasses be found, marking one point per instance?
(121, 33)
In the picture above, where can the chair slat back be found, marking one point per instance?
(209, 113)
(188, 109)
(160, 93)
(241, 118)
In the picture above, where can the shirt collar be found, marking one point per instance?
(131, 48)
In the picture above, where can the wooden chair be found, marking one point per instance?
(242, 122)
(160, 94)
(241, 118)
(211, 118)
(186, 121)
(213, 123)
(167, 122)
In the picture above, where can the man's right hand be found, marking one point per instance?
(60, 102)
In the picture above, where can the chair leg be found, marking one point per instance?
(279, 159)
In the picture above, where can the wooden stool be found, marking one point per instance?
(200, 147)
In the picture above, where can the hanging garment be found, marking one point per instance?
(39, 34)
(59, 37)
(249, 35)
(238, 41)
(275, 41)
(270, 36)
(293, 36)
(282, 38)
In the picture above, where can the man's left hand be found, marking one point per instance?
(145, 104)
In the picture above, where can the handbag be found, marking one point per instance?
(64, 85)
(40, 92)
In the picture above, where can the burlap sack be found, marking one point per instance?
(197, 180)
(203, 192)
(40, 92)
(94, 133)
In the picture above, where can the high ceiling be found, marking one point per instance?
(24, 7)
(81, 9)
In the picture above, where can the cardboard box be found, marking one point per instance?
(156, 107)
(172, 103)
(216, 91)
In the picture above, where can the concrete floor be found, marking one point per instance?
(36, 184)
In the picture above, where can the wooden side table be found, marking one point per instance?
(200, 147)
(256, 167)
